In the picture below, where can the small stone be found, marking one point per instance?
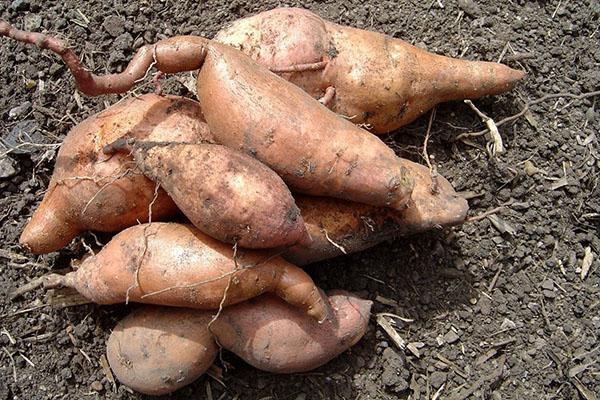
(114, 25)
(32, 22)
(469, 7)
(530, 168)
(485, 305)
(550, 294)
(66, 373)
(548, 284)
(123, 42)
(8, 167)
(18, 111)
(507, 324)
(451, 337)
(97, 386)
(301, 396)
(438, 378)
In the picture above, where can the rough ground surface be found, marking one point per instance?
(497, 315)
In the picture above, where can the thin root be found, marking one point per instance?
(496, 146)
(136, 283)
(432, 168)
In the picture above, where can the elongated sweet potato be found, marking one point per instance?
(310, 147)
(337, 224)
(93, 191)
(372, 78)
(156, 350)
(274, 337)
(177, 265)
(224, 193)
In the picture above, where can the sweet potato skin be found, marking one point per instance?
(224, 193)
(272, 336)
(356, 227)
(157, 350)
(177, 265)
(93, 191)
(311, 148)
(378, 80)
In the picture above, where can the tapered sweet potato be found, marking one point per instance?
(156, 350)
(274, 337)
(93, 191)
(310, 147)
(224, 193)
(337, 224)
(177, 265)
(372, 78)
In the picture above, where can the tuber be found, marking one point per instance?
(177, 265)
(157, 350)
(93, 191)
(226, 194)
(341, 227)
(371, 78)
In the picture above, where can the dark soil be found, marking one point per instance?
(499, 306)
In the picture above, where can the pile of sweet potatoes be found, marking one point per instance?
(271, 169)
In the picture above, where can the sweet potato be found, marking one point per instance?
(224, 193)
(93, 191)
(156, 350)
(177, 265)
(274, 337)
(336, 224)
(310, 147)
(372, 78)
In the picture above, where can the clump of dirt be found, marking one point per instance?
(496, 309)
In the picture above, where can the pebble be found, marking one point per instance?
(18, 111)
(32, 22)
(114, 25)
(451, 337)
(469, 7)
(8, 167)
(438, 378)
(97, 386)
(548, 284)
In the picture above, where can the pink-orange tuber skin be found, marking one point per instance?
(272, 336)
(177, 265)
(157, 350)
(226, 194)
(369, 77)
(335, 224)
(310, 147)
(90, 190)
